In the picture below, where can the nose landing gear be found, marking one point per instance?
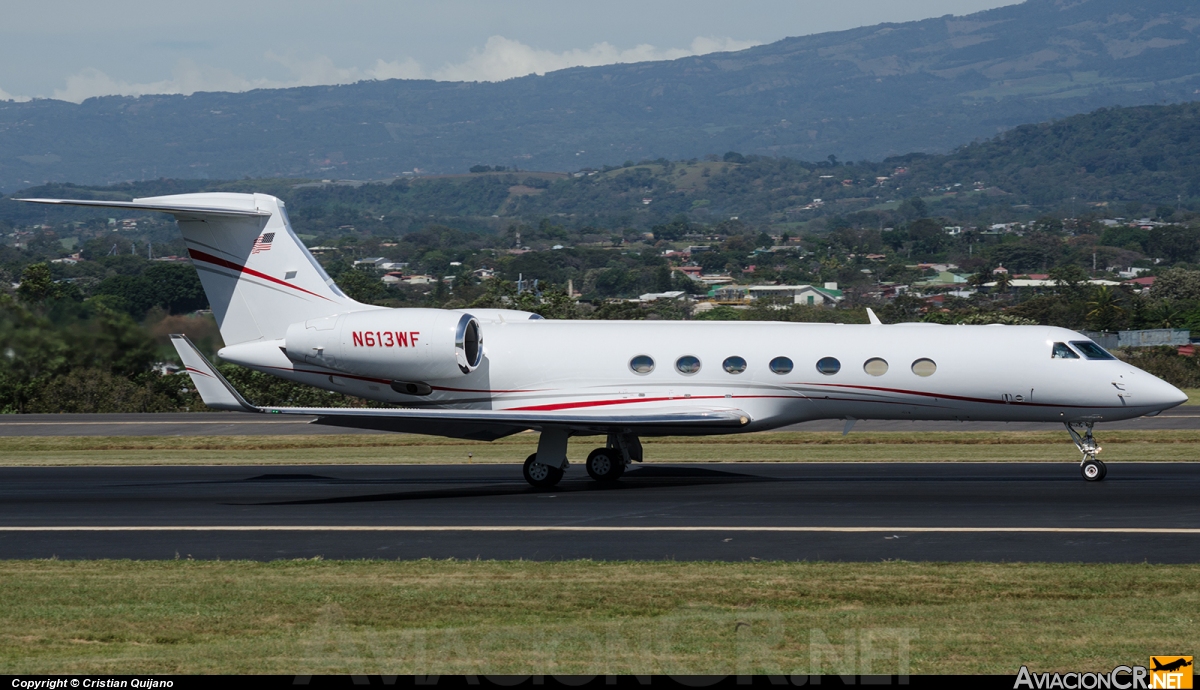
(1093, 469)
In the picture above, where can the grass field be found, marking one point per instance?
(1120, 446)
(586, 617)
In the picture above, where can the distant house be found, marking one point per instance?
(393, 278)
(72, 259)
(944, 278)
(1132, 272)
(484, 273)
(1030, 283)
(797, 294)
(655, 296)
(373, 261)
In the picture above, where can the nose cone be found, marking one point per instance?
(1163, 396)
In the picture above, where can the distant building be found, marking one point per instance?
(1132, 272)
(373, 261)
(797, 294)
(655, 296)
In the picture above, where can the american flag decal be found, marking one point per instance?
(263, 243)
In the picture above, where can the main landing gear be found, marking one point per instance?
(539, 475)
(605, 465)
(1092, 469)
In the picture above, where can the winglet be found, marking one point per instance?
(214, 390)
(874, 319)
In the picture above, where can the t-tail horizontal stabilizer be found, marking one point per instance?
(216, 392)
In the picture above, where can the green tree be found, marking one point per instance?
(1163, 314)
(1068, 276)
(1104, 309)
(1175, 243)
(1176, 284)
(37, 284)
(362, 285)
(1003, 281)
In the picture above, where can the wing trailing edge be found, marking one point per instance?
(480, 425)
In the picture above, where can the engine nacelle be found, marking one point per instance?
(405, 345)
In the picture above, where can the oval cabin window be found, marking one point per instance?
(641, 364)
(924, 367)
(734, 365)
(687, 364)
(781, 365)
(875, 366)
(829, 366)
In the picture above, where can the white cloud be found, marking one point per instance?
(186, 78)
(6, 96)
(406, 69)
(503, 58)
(499, 59)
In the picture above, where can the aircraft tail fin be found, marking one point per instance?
(214, 389)
(258, 276)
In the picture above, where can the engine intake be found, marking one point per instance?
(406, 346)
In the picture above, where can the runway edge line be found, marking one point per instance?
(568, 528)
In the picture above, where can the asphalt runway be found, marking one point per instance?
(244, 424)
(730, 512)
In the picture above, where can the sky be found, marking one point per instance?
(72, 51)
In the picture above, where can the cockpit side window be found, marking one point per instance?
(1061, 351)
(1091, 350)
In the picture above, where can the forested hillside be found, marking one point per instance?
(1065, 195)
(1118, 161)
(868, 93)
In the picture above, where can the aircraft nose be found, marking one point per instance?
(1164, 396)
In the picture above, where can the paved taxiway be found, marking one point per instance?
(915, 511)
(242, 424)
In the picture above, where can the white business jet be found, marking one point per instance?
(487, 373)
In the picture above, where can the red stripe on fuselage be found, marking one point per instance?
(223, 263)
(948, 397)
(601, 403)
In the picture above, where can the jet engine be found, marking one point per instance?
(400, 345)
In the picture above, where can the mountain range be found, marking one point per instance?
(867, 93)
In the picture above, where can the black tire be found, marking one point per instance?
(540, 476)
(1093, 470)
(605, 465)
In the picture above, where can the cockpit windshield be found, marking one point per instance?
(1091, 350)
(1061, 351)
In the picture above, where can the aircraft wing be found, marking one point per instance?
(176, 209)
(480, 425)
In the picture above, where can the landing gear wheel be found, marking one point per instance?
(539, 475)
(1093, 470)
(605, 465)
